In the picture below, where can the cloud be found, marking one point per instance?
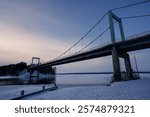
(20, 45)
(23, 31)
(20, 14)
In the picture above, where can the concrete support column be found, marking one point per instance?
(128, 66)
(30, 76)
(116, 64)
(54, 73)
(33, 75)
(38, 75)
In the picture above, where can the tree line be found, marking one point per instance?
(12, 69)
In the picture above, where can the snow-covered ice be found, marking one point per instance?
(126, 90)
(6, 77)
(12, 91)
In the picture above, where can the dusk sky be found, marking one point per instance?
(46, 28)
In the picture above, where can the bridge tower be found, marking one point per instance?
(115, 53)
(35, 61)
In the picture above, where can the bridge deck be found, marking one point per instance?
(136, 43)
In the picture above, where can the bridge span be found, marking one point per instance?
(115, 48)
(137, 43)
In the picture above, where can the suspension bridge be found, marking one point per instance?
(116, 48)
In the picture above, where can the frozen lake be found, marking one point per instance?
(133, 89)
(127, 90)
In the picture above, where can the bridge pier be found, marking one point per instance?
(33, 75)
(126, 58)
(43, 75)
(116, 65)
(115, 53)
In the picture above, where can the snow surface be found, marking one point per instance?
(12, 91)
(126, 90)
(6, 77)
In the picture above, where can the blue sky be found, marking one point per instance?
(46, 28)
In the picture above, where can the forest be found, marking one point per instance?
(12, 69)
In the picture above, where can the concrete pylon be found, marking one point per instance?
(55, 83)
(116, 65)
(115, 54)
(126, 58)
